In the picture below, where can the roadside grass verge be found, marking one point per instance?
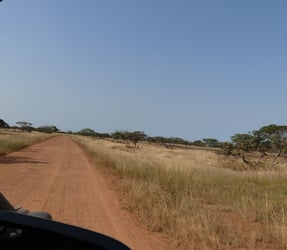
(200, 207)
(14, 141)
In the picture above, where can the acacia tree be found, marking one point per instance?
(87, 132)
(25, 126)
(211, 142)
(242, 144)
(268, 139)
(272, 138)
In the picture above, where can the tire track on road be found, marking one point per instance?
(58, 178)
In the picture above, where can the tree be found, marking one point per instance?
(104, 135)
(210, 142)
(159, 139)
(199, 143)
(272, 138)
(228, 148)
(136, 136)
(120, 135)
(3, 124)
(268, 139)
(242, 144)
(177, 140)
(25, 126)
(87, 132)
(48, 129)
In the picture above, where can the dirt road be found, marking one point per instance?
(56, 176)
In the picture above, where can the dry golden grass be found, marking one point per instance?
(12, 141)
(191, 196)
(167, 157)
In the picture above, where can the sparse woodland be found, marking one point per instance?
(204, 194)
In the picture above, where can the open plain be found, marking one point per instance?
(150, 196)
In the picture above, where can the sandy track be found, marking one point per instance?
(56, 176)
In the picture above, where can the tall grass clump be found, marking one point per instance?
(202, 207)
(10, 142)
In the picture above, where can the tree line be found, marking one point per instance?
(27, 127)
(137, 136)
(268, 140)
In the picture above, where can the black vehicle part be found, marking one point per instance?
(21, 231)
(5, 205)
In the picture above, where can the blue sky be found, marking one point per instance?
(175, 68)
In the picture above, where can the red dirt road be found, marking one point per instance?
(57, 177)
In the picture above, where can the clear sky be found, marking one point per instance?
(177, 68)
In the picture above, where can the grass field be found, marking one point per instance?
(12, 141)
(187, 194)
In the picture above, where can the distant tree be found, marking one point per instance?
(153, 139)
(160, 139)
(28, 128)
(25, 126)
(104, 135)
(3, 124)
(87, 132)
(210, 142)
(177, 140)
(120, 135)
(199, 143)
(136, 136)
(48, 129)
(166, 141)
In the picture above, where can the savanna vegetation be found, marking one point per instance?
(232, 196)
(257, 149)
(204, 194)
(19, 137)
(13, 141)
(23, 126)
